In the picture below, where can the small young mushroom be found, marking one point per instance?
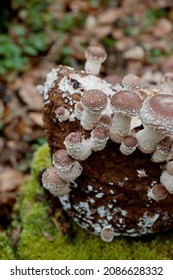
(99, 138)
(166, 177)
(168, 77)
(128, 145)
(104, 122)
(77, 147)
(132, 82)
(68, 169)
(125, 104)
(62, 114)
(107, 234)
(93, 102)
(157, 192)
(167, 83)
(53, 182)
(156, 115)
(163, 149)
(95, 56)
(78, 110)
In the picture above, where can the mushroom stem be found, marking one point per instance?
(89, 119)
(148, 139)
(92, 66)
(120, 127)
(78, 147)
(166, 178)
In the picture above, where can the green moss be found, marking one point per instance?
(38, 226)
(6, 252)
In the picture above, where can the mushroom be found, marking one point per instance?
(128, 145)
(95, 56)
(132, 82)
(78, 110)
(77, 147)
(99, 138)
(163, 148)
(107, 234)
(93, 102)
(166, 177)
(62, 114)
(156, 115)
(167, 82)
(157, 192)
(68, 169)
(54, 183)
(125, 104)
(168, 77)
(104, 122)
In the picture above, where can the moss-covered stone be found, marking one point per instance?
(40, 239)
(6, 251)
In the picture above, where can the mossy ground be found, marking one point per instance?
(6, 251)
(36, 220)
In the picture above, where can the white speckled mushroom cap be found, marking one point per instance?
(96, 53)
(53, 183)
(94, 100)
(99, 134)
(157, 112)
(62, 160)
(132, 82)
(73, 140)
(104, 121)
(126, 102)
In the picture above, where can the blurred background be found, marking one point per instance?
(38, 35)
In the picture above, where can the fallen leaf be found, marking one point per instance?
(30, 96)
(37, 118)
(10, 179)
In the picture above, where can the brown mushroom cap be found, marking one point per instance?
(105, 121)
(62, 160)
(96, 53)
(73, 139)
(132, 82)
(157, 112)
(130, 141)
(94, 100)
(52, 181)
(165, 144)
(60, 111)
(99, 134)
(107, 234)
(159, 191)
(126, 102)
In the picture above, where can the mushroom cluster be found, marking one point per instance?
(111, 148)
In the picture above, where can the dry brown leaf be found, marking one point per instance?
(30, 96)
(10, 179)
(102, 31)
(37, 118)
(162, 28)
(109, 16)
